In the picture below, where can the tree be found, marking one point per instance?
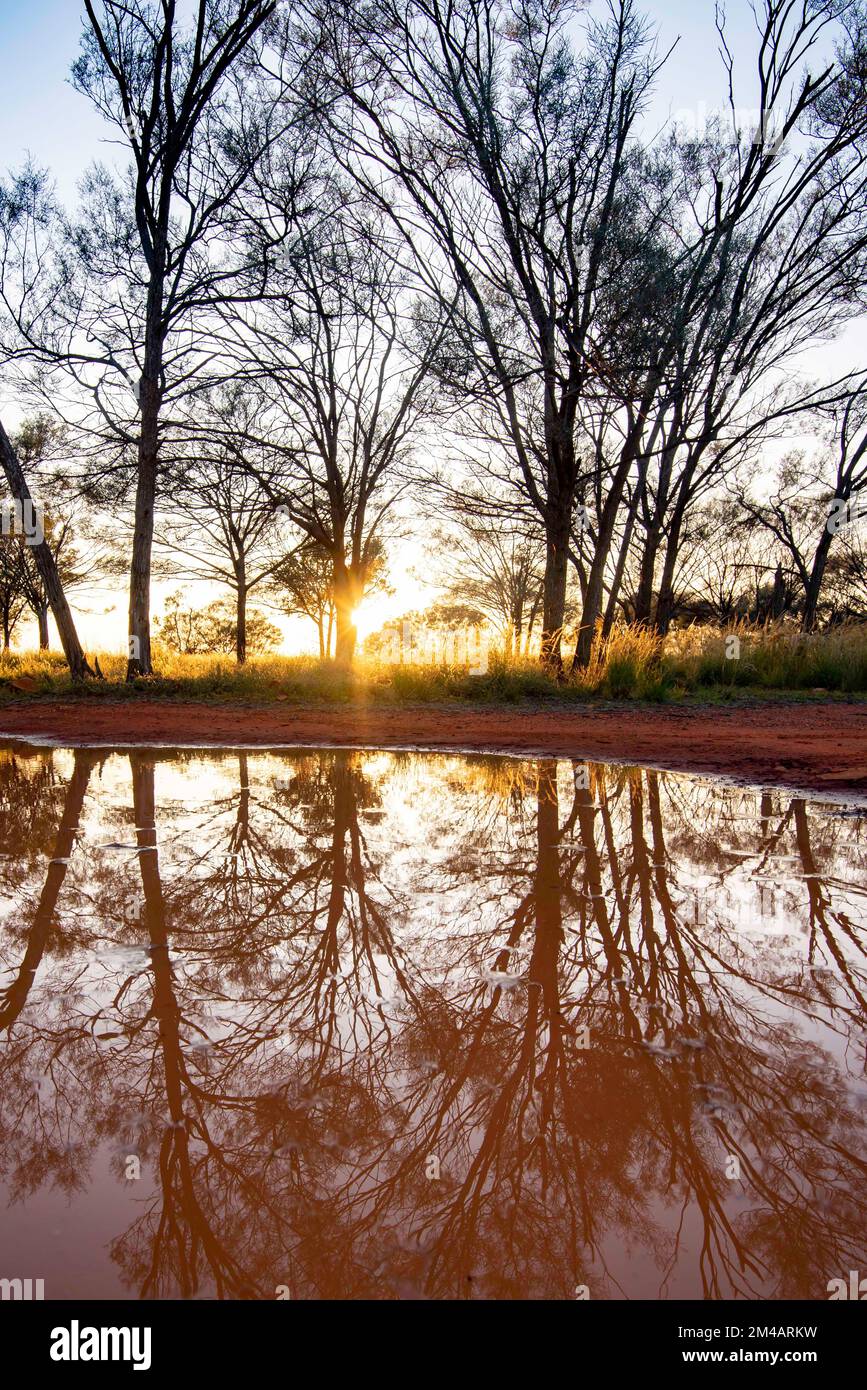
(214, 630)
(221, 521)
(46, 566)
(622, 308)
(13, 604)
(39, 441)
(784, 240)
(499, 571)
(846, 577)
(303, 584)
(818, 497)
(722, 566)
(13, 213)
(119, 299)
(342, 396)
(161, 86)
(486, 136)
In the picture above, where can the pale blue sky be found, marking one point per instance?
(42, 115)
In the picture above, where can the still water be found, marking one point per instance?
(332, 1024)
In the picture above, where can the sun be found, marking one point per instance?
(373, 613)
(406, 593)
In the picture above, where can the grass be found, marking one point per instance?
(775, 658)
(633, 664)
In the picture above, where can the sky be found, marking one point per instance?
(43, 118)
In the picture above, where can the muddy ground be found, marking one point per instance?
(808, 746)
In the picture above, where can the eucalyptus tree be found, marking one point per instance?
(121, 296)
(816, 497)
(344, 388)
(218, 524)
(497, 147)
(598, 276)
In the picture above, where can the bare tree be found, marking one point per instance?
(161, 84)
(499, 148)
(119, 298)
(342, 394)
(220, 525)
(46, 564)
(780, 210)
(621, 309)
(499, 570)
(816, 498)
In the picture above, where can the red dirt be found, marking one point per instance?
(812, 746)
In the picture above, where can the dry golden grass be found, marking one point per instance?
(633, 663)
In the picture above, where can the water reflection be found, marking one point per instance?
(367, 1025)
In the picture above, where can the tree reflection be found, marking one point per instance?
(390, 1026)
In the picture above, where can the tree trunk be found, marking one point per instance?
(140, 663)
(347, 635)
(592, 606)
(644, 595)
(778, 593)
(531, 622)
(554, 589)
(617, 581)
(150, 401)
(814, 587)
(241, 626)
(596, 579)
(665, 600)
(345, 598)
(42, 620)
(47, 567)
(516, 628)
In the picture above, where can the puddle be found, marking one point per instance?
(341, 1024)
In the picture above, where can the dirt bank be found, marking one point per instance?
(822, 747)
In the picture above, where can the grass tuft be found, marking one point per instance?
(631, 664)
